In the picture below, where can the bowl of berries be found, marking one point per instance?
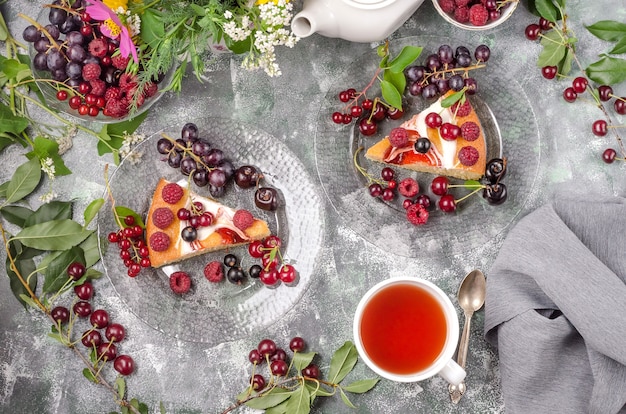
(86, 64)
(475, 14)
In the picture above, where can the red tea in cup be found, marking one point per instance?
(403, 329)
(406, 329)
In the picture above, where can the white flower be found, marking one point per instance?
(228, 14)
(48, 197)
(47, 166)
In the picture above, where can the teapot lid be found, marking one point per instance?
(370, 3)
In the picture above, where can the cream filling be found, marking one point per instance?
(222, 218)
(417, 123)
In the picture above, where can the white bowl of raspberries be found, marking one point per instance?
(475, 14)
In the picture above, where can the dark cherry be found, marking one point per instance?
(258, 382)
(608, 155)
(266, 198)
(569, 94)
(447, 203)
(423, 200)
(549, 72)
(124, 364)
(439, 185)
(495, 194)
(395, 113)
(246, 176)
(297, 344)
(60, 314)
(91, 338)
(367, 126)
(279, 368)
(599, 128)
(605, 92)
(82, 308)
(279, 355)
(107, 351)
(532, 31)
(495, 170)
(115, 332)
(76, 270)
(311, 371)
(255, 357)
(84, 291)
(620, 105)
(266, 347)
(99, 318)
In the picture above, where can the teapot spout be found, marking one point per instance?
(306, 23)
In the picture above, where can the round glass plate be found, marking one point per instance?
(218, 312)
(511, 131)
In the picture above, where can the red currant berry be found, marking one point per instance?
(367, 127)
(608, 155)
(599, 128)
(388, 194)
(375, 190)
(387, 174)
(84, 291)
(75, 102)
(347, 118)
(279, 368)
(549, 72)
(447, 204)
(569, 94)
(367, 104)
(439, 185)
(83, 109)
(344, 96)
(337, 117)
(99, 318)
(392, 184)
(62, 95)
(579, 84)
(356, 111)
(297, 344)
(86, 30)
(407, 203)
(124, 364)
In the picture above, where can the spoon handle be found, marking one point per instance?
(456, 391)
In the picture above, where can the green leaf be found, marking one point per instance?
(24, 180)
(152, 27)
(619, 48)
(239, 47)
(25, 267)
(608, 30)
(316, 390)
(547, 10)
(407, 55)
(53, 235)
(345, 399)
(120, 384)
(122, 212)
(92, 210)
(472, 183)
(342, 362)
(565, 66)
(10, 122)
(28, 301)
(278, 409)
(553, 50)
(452, 99)
(391, 94)
(47, 148)
(54, 210)
(91, 249)
(16, 214)
(129, 126)
(300, 401)
(56, 272)
(162, 408)
(269, 399)
(89, 375)
(302, 360)
(56, 337)
(607, 71)
(361, 386)
(398, 80)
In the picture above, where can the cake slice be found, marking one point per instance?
(171, 239)
(463, 157)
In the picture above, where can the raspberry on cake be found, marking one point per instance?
(450, 152)
(228, 227)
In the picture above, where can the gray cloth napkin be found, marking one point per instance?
(556, 308)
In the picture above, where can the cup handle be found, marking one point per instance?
(452, 372)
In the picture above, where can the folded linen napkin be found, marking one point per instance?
(556, 308)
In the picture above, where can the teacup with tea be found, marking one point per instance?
(406, 329)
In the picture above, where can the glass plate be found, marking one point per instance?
(510, 129)
(210, 312)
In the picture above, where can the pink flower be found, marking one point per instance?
(112, 27)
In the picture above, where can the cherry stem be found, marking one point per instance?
(363, 171)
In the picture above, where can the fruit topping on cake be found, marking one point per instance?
(439, 140)
(182, 224)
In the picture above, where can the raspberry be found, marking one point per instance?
(417, 214)
(91, 71)
(243, 219)
(113, 92)
(408, 187)
(116, 108)
(470, 131)
(398, 137)
(172, 193)
(462, 15)
(127, 81)
(447, 6)
(98, 47)
(150, 89)
(468, 156)
(478, 15)
(461, 3)
(214, 271)
(98, 87)
(159, 241)
(162, 217)
(120, 62)
(180, 282)
(461, 110)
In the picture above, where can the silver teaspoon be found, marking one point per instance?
(471, 297)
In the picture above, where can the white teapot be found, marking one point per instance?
(355, 20)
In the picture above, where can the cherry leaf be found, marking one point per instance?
(299, 402)
(391, 94)
(553, 50)
(547, 10)
(24, 180)
(607, 71)
(89, 375)
(342, 362)
(608, 30)
(302, 360)
(345, 399)
(269, 399)
(407, 55)
(53, 235)
(361, 386)
(619, 48)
